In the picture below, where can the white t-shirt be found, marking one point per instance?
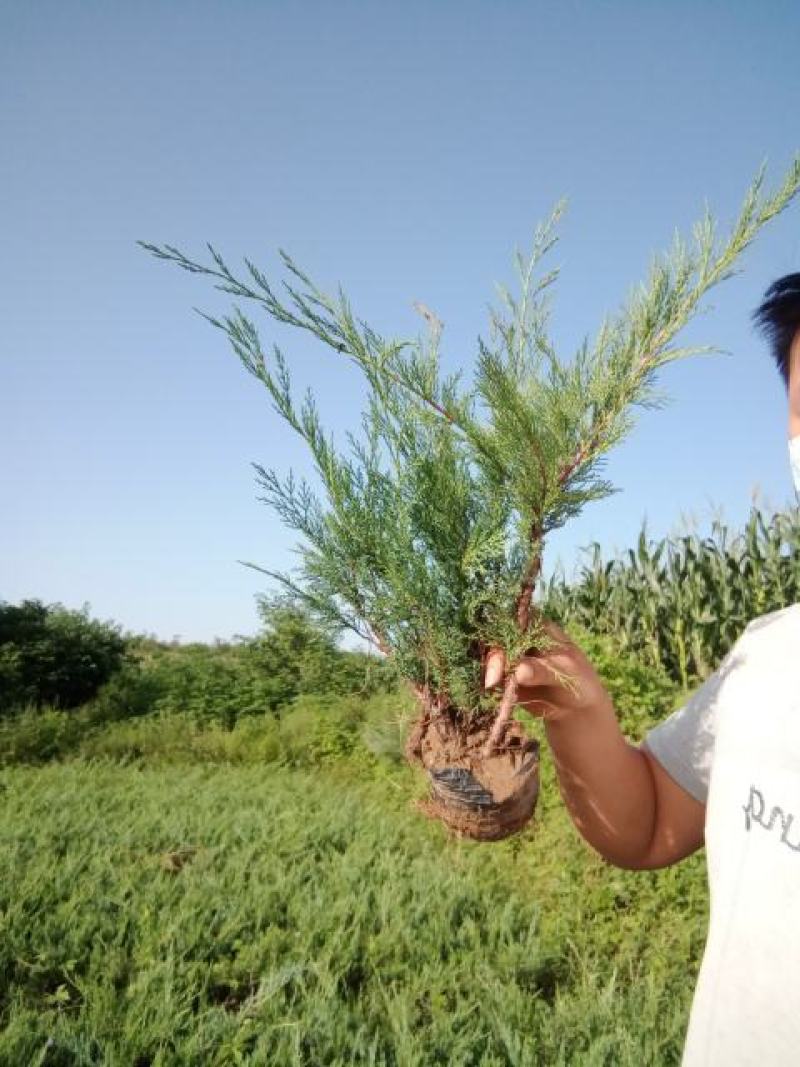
(735, 746)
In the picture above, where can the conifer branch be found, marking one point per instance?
(427, 535)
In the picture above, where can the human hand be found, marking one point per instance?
(551, 685)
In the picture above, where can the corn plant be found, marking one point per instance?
(683, 602)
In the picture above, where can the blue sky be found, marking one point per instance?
(404, 151)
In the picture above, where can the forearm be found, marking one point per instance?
(606, 783)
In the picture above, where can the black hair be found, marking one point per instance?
(778, 318)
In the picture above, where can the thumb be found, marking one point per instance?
(495, 668)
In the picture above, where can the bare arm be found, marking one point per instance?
(621, 800)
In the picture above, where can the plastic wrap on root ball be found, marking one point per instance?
(457, 785)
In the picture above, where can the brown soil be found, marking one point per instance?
(485, 798)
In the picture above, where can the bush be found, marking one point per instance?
(198, 704)
(35, 735)
(226, 683)
(387, 720)
(132, 692)
(320, 730)
(299, 657)
(181, 739)
(212, 686)
(313, 732)
(155, 738)
(642, 694)
(52, 656)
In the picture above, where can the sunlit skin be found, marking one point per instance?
(621, 800)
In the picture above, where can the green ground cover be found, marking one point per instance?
(194, 874)
(178, 913)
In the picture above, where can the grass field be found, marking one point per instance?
(168, 914)
(190, 881)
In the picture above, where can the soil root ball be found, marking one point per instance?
(484, 798)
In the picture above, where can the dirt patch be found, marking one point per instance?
(485, 798)
(232, 996)
(175, 861)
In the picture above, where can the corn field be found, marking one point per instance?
(683, 602)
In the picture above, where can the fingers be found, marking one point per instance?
(530, 671)
(548, 669)
(541, 709)
(538, 670)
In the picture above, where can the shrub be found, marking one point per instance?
(642, 693)
(154, 738)
(181, 739)
(132, 692)
(35, 735)
(52, 656)
(211, 684)
(213, 688)
(314, 732)
(300, 656)
(226, 683)
(387, 719)
(427, 535)
(318, 730)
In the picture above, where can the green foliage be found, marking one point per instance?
(300, 656)
(197, 701)
(131, 692)
(35, 735)
(211, 686)
(49, 655)
(225, 683)
(223, 703)
(180, 739)
(682, 603)
(643, 693)
(219, 915)
(313, 731)
(429, 537)
(320, 730)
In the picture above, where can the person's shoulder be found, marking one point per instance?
(784, 622)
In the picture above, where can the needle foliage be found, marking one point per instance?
(427, 532)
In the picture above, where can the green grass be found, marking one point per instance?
(209, 915)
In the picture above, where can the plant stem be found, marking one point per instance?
(524, 601)
(504, 712)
